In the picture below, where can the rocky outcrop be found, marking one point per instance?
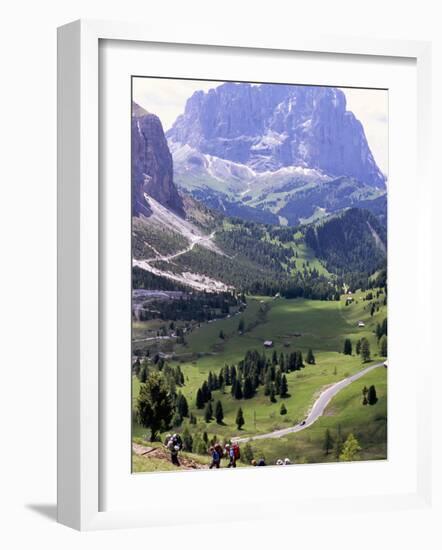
(152, 166)
(271, 126)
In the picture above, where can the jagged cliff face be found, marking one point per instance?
(271, 126)
(152, 166)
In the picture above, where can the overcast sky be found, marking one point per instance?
(167, 98)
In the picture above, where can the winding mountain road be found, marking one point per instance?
(316, 411)
(197, 239)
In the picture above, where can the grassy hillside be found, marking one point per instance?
(367, 423)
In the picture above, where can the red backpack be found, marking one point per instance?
(236, 451)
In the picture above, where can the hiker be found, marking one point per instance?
(215, 458)
(233, 454)
(279, 462)
(254, 463)
(174, 444)
(219, 449)
(287, 461)
(261, 462)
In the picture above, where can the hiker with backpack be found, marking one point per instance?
(219, 449)
(216, 458)
(174, 444)
(233, 452)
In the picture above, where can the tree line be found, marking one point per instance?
(197, 307)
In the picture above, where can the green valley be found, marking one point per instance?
(290, 325)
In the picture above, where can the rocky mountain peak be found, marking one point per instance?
(270, 126)
(152, 165)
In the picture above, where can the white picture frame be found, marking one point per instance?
(79, 269)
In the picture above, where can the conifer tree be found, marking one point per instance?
(310, 358)
(372, 398)
(221, 382)
(283, 388)
(278, 377)
(219, 413)
(350, 449)
(208, 412)
(365, 350)
(328, 442)
(347, 347)
(182, 405)
(283, 409)
(187, 439)
(199, 399)
(299, 361)
(248, 388)
(239, 419)
(154, 404)
(233, 374)
(238, 390)
(292, 362)
(247, 454)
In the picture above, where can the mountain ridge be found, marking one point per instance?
(152, 164)
(270, 126)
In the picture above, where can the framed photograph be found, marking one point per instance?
(233, 278)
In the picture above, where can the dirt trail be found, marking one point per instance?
(200, 239)
(162, 454)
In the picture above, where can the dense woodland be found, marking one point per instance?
(353, 242)
(197, 306)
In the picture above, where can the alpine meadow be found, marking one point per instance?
(259, 274)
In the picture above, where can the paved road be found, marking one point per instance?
(316, 411)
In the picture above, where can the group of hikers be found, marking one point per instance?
(230, 451)
(174, 445)
(217, 452)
